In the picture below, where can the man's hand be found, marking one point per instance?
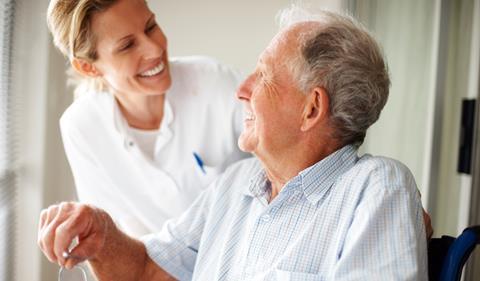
(61, 224)
(112, 254)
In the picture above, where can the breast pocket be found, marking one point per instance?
(282, 275)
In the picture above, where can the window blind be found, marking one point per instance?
(7, 144)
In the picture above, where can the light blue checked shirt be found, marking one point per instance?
(344, 218)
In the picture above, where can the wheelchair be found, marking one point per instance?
(447, 255)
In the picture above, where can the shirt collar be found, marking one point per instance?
(122, 126)
(258, 182)
(315, 180)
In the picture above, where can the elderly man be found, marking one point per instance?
(306, 208)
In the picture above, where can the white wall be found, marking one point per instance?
(407, 32)
(461, 81)
(235, 32)
(430, 47)
(32, 137)
(44, 176)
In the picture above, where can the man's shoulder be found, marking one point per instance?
(245, 168)
(239, 174)
(383, 173)
(380, 163)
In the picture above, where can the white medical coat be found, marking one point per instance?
(202, 116)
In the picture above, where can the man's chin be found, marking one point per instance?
(245, 145)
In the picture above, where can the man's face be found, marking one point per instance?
(273, 104)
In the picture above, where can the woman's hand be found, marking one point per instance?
(61, 224)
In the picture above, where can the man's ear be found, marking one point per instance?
(316, 108)
(84, 67)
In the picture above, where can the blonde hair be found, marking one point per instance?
(69, 21)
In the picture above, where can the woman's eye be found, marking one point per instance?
(126, 46)
(151, 27)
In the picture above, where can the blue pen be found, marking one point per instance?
(199, 162)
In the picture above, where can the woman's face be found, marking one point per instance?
(132, 50)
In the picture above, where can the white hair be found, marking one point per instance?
(300, 12)
(340, 56)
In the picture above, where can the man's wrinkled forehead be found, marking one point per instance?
(277, 48)
(287, 40)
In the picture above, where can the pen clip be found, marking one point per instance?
(199, 162)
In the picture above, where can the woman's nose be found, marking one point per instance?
(152, 47)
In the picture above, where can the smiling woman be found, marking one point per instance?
(132, 61)
(134, 144)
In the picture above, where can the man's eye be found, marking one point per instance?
(262, 77)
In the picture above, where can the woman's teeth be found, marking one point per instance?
(154, 71)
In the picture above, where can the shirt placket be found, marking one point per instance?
(263, 223)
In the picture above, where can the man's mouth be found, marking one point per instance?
(153, 71)
(249, 116)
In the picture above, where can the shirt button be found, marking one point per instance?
(266, 218)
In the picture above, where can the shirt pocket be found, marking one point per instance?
(283, 275)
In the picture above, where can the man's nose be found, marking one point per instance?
(244, 92)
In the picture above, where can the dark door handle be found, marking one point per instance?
(467, 128)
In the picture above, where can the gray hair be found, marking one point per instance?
(341, 56)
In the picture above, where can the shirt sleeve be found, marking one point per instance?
(386, 239)
(175, 248)
(92, 185)
(82, 163)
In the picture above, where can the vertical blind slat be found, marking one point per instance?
(7, 143)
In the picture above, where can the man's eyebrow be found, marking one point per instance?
(261, 66)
